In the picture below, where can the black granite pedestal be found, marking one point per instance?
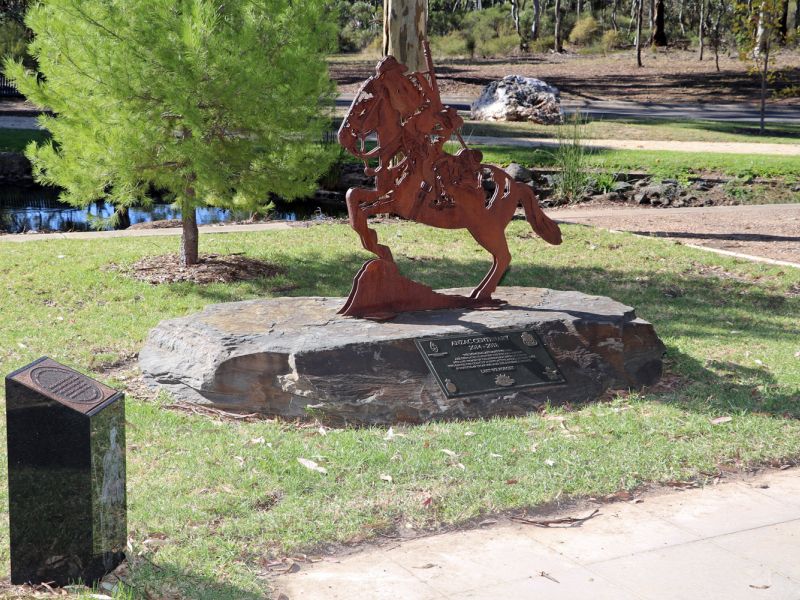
(66, 475)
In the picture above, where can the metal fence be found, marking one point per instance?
(7, 89)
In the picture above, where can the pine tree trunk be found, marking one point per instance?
(537, 17)
(190, 237)
(639, 11)
(557, 28)
(660, 34)
(404, 30)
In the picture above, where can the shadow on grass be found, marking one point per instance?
(749, 237)
(151, 580)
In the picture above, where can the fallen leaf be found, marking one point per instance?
(550, 463)
(620, 496)
(553, 418)
(311, 465)
(256, 441)
(534, 447)
(449, 453)
(389, 435)
(682, 485)
(460, 466)
(487, 522)
(512, 481)
(426, 566)
(760, 587)
(721, 420)
(387, 478)
(493, 455)
(427, 501)
(469, 433)
(322, 431)
(760, 363)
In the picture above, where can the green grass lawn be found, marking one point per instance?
(222, 498)
(15, 140)
(647, 129)
(657, 162)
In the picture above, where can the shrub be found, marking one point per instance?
(611, 40)
(584, 31)
(452, 44)
(544, 44)
(499, 46)
(572, 181)
(14, 41)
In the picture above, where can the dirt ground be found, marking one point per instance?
(768, 231)
(673, 76)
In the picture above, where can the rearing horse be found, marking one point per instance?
(417, 180)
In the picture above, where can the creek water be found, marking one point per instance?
(38, 209)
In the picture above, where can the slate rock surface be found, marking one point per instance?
(517, 98)
(295, 357)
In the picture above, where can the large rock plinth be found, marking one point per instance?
(295, 357)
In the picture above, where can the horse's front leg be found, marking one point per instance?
(358, 213)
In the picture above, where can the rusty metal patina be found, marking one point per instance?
(416, 179)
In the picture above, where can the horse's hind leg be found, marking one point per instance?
(495, 242)
(358, 221)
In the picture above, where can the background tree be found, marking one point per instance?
(659, 24)
(639, 15)
(404, 29)
(14, 35)
(757, 27)
(214, 103)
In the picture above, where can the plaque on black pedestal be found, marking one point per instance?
(66, 475)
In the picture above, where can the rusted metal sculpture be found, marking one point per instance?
(417, 180)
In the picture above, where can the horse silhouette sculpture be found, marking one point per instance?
(417, 180)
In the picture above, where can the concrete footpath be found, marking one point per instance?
(735, 540)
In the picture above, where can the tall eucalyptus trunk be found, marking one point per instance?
(659, 33)
(404, 30)
(557, 46)
(702, 28)
(680, 17)
(639, 15)
(537, 18)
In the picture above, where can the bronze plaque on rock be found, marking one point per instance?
(489, 361)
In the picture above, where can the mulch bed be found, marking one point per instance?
(212, 268)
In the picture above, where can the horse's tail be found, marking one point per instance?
(541, 223)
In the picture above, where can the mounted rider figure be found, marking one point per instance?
(413, 140)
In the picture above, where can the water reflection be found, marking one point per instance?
(38, 209)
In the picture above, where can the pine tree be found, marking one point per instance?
(213, 103)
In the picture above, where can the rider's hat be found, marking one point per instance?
(390, 63)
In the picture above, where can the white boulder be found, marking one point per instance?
(517, 98)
